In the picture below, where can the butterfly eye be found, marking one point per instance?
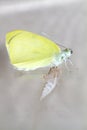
(71, 51)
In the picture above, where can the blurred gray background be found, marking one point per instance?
(65, 108)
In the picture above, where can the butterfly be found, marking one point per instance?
(29, 51)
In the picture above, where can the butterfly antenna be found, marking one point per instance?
(61, 45)
(45, 34)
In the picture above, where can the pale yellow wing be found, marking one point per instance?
(29, 51)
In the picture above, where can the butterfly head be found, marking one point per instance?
(62, 56)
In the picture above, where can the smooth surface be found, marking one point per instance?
(66, 107)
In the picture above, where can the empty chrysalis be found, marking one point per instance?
(29, 51)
